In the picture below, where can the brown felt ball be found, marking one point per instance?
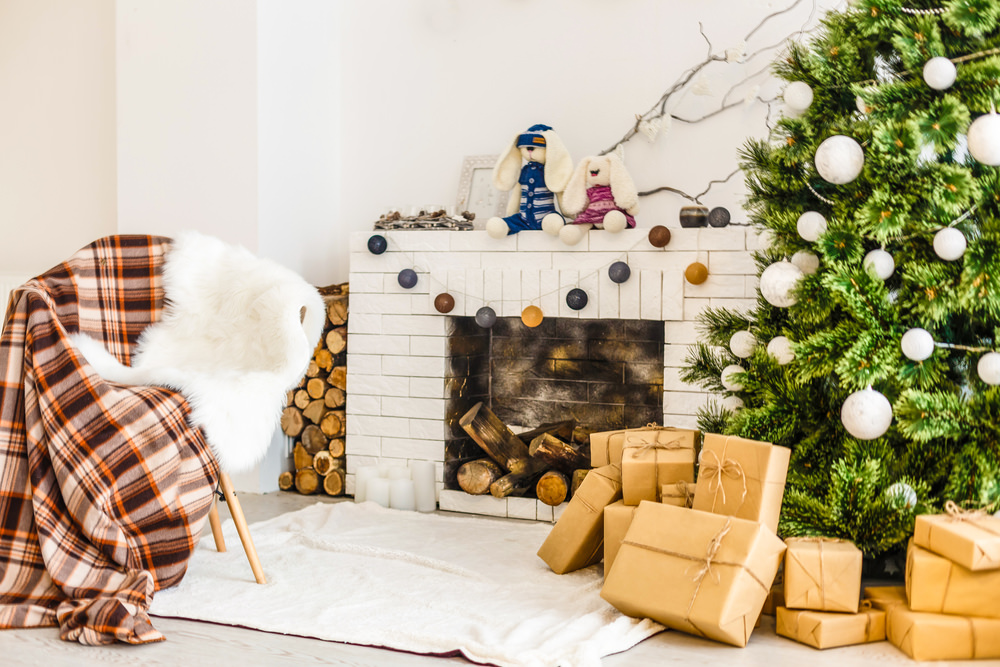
(659, 236)
(696, 273)
(444, 302)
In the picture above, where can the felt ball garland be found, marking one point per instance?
(407, 278)
(377, 244)
(444, 302)
(619, 272)
(576, 299)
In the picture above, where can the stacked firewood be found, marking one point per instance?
(315, 415)
(548, 462)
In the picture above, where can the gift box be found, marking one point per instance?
(971, 539)
(775, 598)
(701, 573)
(822, 574)
(741, 478)
(924, 636)
(936, 584)
(617, 519)
(884, 597)
(651, 459)
(577, 539)
(606, 446)
(680, 494)
(829, 629)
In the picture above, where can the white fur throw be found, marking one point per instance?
(237, 333)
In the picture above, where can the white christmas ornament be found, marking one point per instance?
(939, 73)
(777, 282)
(984, 139)
(839, 159)
(880, 262)
(866, 414)
(781, 349)
(860, 104)
(904, 491)
(989, 368)
(806, 261)
(728, 381)
(811, 225)
(798, 96)
(742, 344)
(917, 344)
(949, 244)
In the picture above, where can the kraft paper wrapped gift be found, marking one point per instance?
(970, 538)
(680, 494)
(741, 478)
(606, 446)
(937, 585)
(617, 519)
(775, 599)
(651, 459)
(701, 573)
(577, 539)
(822, 574)
(829, 629)
(924, 636)
(885, 597)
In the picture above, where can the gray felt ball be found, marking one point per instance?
(619, 272)
(486, 317)
(407, 278)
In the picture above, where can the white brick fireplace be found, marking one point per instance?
(397, 341)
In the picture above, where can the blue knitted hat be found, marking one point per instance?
(533, 136)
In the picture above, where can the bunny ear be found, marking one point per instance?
(622, 187)
(574, 197)
(558, 163)
(508, 168)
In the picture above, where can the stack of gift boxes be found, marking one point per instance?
(704, 557)
(698, 557)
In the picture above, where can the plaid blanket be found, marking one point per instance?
(103, 488)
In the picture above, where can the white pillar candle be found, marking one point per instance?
(377, 491)
(399, 472)
(424, 484)
(383, 468)
(361, 478)
(402, 495)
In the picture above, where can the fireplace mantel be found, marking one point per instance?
(397, 341)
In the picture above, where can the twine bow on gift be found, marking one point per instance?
(715, 470)
(821, 584)
(686, 491)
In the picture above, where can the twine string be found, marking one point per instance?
(719, 468)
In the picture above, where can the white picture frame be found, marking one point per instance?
(476, 193)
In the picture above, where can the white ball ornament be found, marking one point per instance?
(939, 73)
(806, 261)
(860, 104)
(949, 244)
(917, 344)
(984, 139)
(811, 225)
(728, 381)
(880, 263)
(777, 282)
(904, 491)
(839, 159)
(781, 349)
(988, 368)
(866, 414)
(742, 344)
(798, 96)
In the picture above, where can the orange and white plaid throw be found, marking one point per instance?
(103, 488)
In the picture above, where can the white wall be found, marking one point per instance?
(187, 118)
(57, 130)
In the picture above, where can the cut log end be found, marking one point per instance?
(322, 463)
(286, 481)
(475, 477)
(292, 422)
(306, 481)
(333, 483)
(552, 488)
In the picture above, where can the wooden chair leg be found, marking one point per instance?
(213, 519)
(241, 527)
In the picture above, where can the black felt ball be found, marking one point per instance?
(576, 299)
(377, 244)
(407, 278)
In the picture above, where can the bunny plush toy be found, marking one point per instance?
(600, 194)
(538, 161)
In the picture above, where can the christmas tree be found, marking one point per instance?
(871, 352)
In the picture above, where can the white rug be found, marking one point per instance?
(424, 583)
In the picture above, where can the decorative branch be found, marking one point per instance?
(658, 112)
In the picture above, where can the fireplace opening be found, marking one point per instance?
(604, 374)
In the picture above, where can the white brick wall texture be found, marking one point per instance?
(397, 341)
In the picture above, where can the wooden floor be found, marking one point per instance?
(191, 643)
